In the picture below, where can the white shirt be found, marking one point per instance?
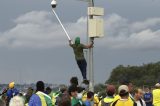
(139, 103)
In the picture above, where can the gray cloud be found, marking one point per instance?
(36, 29)
(123, 34)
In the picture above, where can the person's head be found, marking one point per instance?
(17, 101)
(110, 90)
(63, 89)
(74, 81)
(129, 84)
(138, 93)
(77, 40)
(130, 87)
(85, 85)
(86, 82)
(48, 90)
(146, 90)
(40, 86)
(90, 95)
(2, 103)
(30, 91)
(64, 100)
(123, 91)
(157, 86)
(11, 85)
(72, 91)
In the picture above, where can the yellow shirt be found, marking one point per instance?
(123, 102)
(118, 97)
(156, 97)
(106, 100)
(84, 97)
(95, 99)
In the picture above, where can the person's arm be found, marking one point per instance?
(89, 46)
(151, 98)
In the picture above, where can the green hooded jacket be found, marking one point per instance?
(78, 49)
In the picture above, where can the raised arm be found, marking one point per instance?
(89, 46)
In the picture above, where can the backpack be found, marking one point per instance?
(114, 103)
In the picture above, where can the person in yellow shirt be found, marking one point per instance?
(85, 85)
(124, 100)
(156, 95)
(130, 90)
(95, 98)
(110, 96)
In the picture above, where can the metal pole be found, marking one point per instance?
(90, 55)
(61, 24)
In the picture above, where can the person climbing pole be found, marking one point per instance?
(79, 55)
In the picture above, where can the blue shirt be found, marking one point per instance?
(147, 97)
(35, 100)
(87, 103)
(12, 92)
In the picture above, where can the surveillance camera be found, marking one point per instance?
(54, 3)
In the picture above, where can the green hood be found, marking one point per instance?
(77, 40)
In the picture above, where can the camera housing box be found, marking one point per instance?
(96, 28)
(95, 11)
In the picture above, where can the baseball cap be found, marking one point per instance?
(123, 89)
(11, 85)
(157, 85)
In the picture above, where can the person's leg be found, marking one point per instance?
(84, 69)
(79, 63)
(82, 64)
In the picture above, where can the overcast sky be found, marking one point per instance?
(34, 47)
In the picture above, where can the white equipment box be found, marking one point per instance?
(96, 28)
(96, 11)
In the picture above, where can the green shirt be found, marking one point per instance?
(74, 101)
(78, 51)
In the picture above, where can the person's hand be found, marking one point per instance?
(92, 42)
(70, 42)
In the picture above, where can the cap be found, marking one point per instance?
(157, 85)
(123, 89)
(11, 85)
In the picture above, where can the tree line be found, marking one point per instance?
(146, 74)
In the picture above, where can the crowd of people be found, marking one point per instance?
(79, 95)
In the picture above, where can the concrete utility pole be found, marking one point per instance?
(90, 54)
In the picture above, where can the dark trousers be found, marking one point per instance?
(82, 64)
